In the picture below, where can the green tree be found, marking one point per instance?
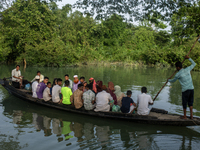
(139, 9)
(185, 23)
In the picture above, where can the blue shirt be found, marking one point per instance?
(126, 101)
(184, 77)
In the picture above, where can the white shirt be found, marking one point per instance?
(46, 93)
(16, 74)
(56, 90)
(34, 87)
(102, 100)
(41, 78)
(143, 104)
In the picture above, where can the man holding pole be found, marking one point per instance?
(185, 80)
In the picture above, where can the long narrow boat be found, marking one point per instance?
(156, 116)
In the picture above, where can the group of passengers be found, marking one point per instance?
(92, 96)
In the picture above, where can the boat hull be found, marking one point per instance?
(157, 116)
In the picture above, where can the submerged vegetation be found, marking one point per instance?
(39, 33)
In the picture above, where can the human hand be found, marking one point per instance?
(187, 57)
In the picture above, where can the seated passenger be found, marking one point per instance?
(56, 91)
(76, 97)
(111, 91)
(40, 75)
(84, 86)
(75, 83)
(102, 100)
(119, 95)
(93, 85)
(99, 85)
(82, 79)
(70, 81)
(40, 88)
(66, 93)
(128, 103)
(143, 102)
(89, 98)
(46, 94)
(16, 77)
(34, 86)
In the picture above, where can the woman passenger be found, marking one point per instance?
(93, 84)
(111, 91)
(99, 86)
(119, 95)
(84, 86)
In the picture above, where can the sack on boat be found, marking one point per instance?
(116, 108)
(28, 86)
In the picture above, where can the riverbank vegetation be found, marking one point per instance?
(39, 33)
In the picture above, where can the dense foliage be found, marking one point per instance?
(39, 33)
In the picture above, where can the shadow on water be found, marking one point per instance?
(77, 131)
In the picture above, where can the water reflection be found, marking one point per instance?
(83, 132)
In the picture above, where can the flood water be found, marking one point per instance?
(28, 126)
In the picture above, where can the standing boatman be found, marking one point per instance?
(185, 80)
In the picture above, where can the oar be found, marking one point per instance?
(175, 71)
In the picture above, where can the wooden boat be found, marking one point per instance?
(156, 116)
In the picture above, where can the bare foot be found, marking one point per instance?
(182, 117)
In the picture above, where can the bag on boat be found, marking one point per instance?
(28, 86)
(116, 108)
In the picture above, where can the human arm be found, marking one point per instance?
(134, 104)
(33, 80)
(173, 80)
(192, 65)
(72, 99)
(150, 100)
(61, 99)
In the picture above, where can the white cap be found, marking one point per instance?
(75, 76)
(37, 77)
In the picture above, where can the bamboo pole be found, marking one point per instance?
(176, 70)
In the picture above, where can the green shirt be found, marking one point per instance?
(66, 92)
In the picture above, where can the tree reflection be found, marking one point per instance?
(90, 132)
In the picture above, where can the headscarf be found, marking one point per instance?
(104, 87)
(94, 85)
(118, 91)
(99, 86)
(111, 91)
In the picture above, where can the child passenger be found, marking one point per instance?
(128, 105)
(46, 94)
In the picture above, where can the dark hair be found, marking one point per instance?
(38, 72)
(66, 75)
(17, 65)
(67, 83)
(46, 78)
(59, 80)
(88, 86)
(128, 92)
(48, 83)
(80, 85)
(178, 64)
(82, 78)
(54, 81)
(144, 89)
